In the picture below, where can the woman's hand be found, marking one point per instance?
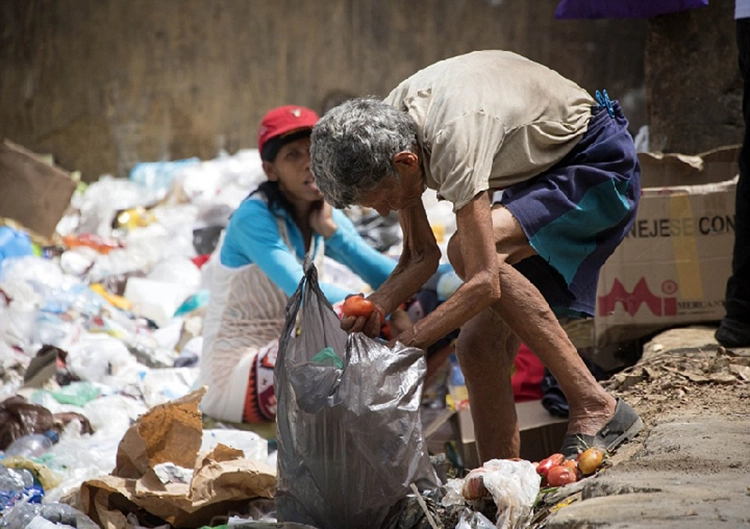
(321, 219)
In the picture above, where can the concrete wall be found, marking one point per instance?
(103, 84)
(693, 84)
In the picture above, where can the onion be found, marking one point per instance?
(590, 460)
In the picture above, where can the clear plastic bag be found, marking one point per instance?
(350, 439)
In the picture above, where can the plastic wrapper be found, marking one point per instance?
(19, 417)
(156, 300)
(474, 520)
(159, 386)
(157, 176)
(350, 439)
(224, 180)
(252, 444)
(19, 305)
(103, 199)
(101, 358)
(31, 515)
(14, 243)
(513, 485)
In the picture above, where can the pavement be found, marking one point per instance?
(690, 468)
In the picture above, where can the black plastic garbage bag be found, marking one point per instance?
(349, 434)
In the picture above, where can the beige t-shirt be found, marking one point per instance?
(490, 119)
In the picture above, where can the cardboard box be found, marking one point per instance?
(541, 433)
(34, 193)
(673, 266)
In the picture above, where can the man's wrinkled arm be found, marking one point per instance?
(481, 287)
(418, 262)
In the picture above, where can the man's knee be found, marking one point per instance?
(486, 344)
(511, 242)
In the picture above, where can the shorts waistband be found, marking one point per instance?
(600, 116)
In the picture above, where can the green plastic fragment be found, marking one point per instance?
(328, 357)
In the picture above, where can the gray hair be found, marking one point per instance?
(353, 146)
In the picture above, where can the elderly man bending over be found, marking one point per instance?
(566, 165)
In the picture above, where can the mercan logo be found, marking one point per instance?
(640, 295)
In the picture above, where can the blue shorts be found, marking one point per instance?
(577, 212)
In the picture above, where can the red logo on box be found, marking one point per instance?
(632, 301)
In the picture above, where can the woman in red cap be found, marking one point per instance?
(258, 265)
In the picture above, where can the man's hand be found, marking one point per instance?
(400, 322)
(362, 315)
(407, 338)
(321, 219)
(368, 325)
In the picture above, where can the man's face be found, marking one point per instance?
(385, 198)
(398, 191)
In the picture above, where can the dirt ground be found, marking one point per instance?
(685, 370)
(688, 467)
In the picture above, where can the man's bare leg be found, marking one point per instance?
(525, 311)
(590, 406)
(486, 349)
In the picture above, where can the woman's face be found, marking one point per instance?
(291, 169)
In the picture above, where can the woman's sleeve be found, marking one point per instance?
(349, 248)
(253, 237)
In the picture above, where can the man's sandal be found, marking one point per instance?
(623, 426)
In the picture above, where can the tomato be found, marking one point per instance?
(561, 475)
(590, 460)
(546, 464)
(358, 306)
(571, 464)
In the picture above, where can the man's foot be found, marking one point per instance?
(732, 333)
(623, 426)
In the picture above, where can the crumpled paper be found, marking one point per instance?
(223, 479)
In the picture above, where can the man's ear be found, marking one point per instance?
(406, 160)
(270, 171)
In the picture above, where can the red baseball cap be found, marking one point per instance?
(281, 121)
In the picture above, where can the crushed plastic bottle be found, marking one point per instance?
(33, 445)
(15, 479)
(47, 515)
(17, 486)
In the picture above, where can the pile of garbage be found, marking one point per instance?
(100, 324)
(100, 339)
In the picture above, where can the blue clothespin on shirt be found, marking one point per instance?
(606, 102)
